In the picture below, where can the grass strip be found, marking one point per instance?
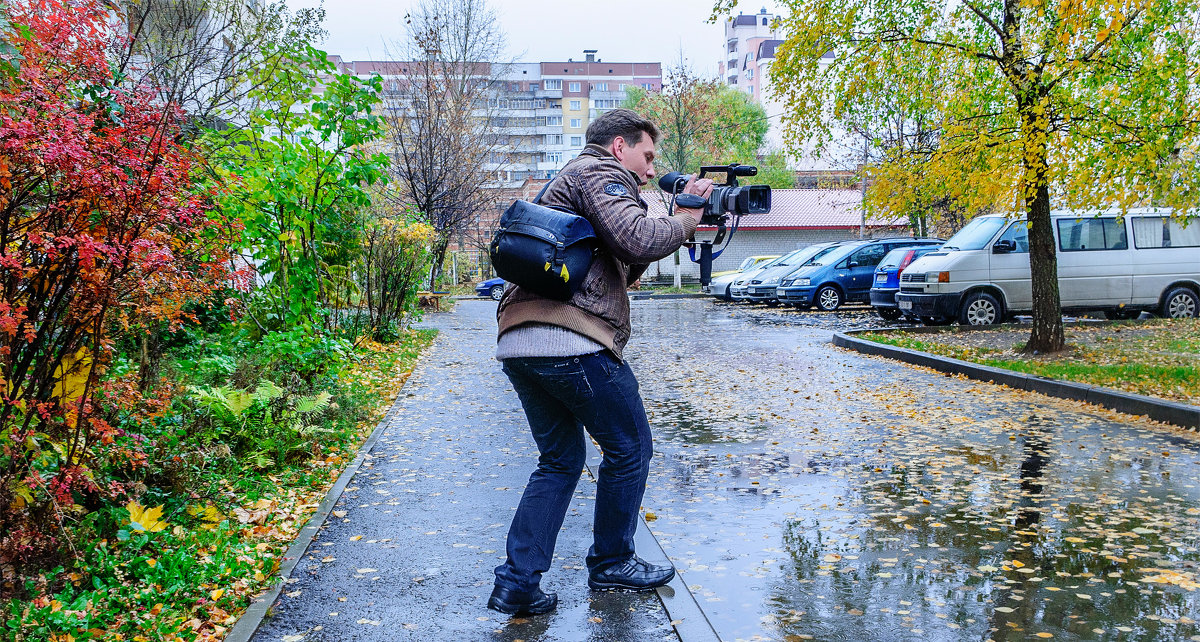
(1159, 359)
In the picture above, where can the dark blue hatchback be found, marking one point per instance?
(493, 288)
(887, 279)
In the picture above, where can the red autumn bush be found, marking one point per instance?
(103, 230)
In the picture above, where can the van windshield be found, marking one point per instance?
(977, 233)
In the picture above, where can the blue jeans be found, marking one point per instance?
(562, 396)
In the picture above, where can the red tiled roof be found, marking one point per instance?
(793, 209)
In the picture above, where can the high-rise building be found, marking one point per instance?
(749, 50)
(750, 43)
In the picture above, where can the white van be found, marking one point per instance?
(1119, 265)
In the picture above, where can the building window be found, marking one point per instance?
(647, 86)
(575, 87)
(607, 104)
(554, 121)
(554, 139)
(575, 105)
(553, 84)
(750, 73)
(576, 123)
(576, 141)
(553, 157)
(600, 86)
(621, 87)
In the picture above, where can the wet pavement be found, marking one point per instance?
(804, 492)
(409, 551)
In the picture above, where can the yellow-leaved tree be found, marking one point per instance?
(1075, 104)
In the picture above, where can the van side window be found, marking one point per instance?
(1091, 234)
(1017, 233)
(1159, 231)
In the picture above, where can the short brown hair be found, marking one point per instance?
(625, 123)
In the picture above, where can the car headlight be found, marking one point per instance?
(771, 281)
(785, 282)
(802, 281)
(937, 277)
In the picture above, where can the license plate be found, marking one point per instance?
(904, 305)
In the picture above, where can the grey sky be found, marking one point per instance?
(545, 30)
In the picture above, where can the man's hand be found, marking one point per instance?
(700, 187)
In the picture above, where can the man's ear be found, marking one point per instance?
(618, 148)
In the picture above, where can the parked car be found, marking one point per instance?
(981, 275)
(887, 279)
(747, 263)
(737, 288)
(493, 288)
(761, 287)
(842, 275)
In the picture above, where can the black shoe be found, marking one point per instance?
(633, 574)
(533, 602)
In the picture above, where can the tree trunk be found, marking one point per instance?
(439, 255)
(1047, 335)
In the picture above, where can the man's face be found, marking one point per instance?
(638, 159)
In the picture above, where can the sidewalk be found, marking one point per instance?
(409, 550)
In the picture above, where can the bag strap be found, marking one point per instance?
(543, 191)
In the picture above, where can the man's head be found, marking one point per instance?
(629, 137)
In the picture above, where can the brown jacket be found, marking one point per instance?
(597, 187)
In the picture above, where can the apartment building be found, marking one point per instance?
(540, 110)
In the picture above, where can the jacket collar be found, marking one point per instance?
(595, 150)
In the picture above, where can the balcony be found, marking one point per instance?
(548, 93)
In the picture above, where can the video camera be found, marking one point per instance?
(726, 198)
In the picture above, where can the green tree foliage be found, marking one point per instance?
(297, 177)
(1079, 105)
(706, 122)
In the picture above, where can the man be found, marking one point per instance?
(564, 361)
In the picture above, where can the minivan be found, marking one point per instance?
(1121, 265)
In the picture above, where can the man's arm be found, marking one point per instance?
(621, 223)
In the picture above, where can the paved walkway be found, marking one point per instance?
(410, 550)
(803, 492)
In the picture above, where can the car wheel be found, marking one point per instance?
(496, 292)
(828, 298)
(1181, 303)
(980, 308)
(891, 314)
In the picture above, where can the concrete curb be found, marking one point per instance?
(677, 599)
(249, 622)
(1179, 414)
(644, 296)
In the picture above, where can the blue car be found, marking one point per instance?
(493, 288)
(841, 276)
(887, 279)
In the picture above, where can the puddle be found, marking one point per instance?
(838, 497)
